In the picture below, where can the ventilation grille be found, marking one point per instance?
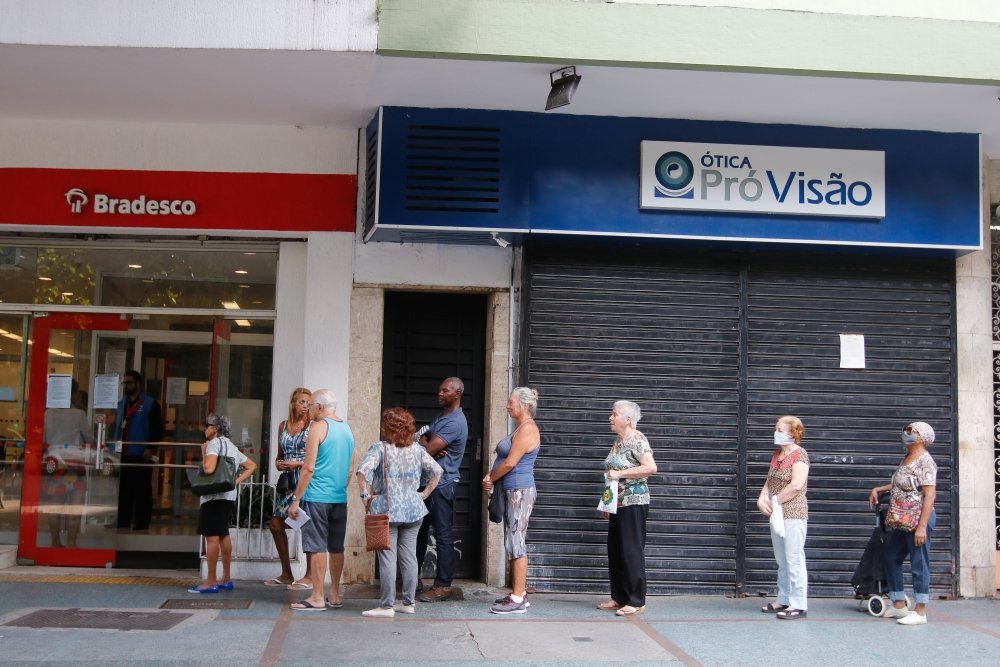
(452, 169)
(371, 172)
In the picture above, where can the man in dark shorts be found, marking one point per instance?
(445, 441)
(322, 494)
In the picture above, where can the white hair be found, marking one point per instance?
(326, 399)
(527, 397)
(628, 409)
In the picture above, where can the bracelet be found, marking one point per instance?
(364, 495)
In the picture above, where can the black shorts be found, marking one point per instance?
(213, 518)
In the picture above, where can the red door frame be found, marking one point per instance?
(220, 330)
(34, 441)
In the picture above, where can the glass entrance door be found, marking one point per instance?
(68, 497)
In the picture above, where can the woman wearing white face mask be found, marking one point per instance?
(911, 518)
(786, 481)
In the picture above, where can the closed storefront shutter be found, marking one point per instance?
(853, 417)
(666, 337)
(714, 348)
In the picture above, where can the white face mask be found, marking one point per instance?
(783, 439)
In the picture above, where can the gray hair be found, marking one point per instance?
(326, 399)
(628, 409)
(221, 423)
(527, 397)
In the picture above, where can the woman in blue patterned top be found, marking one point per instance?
(289, 458)
(408, 464)
(630, 463)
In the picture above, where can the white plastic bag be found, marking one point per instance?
(777, 517)
(609, 497)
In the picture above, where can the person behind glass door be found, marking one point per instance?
(289, 459)
(67, 428)
(138, 420)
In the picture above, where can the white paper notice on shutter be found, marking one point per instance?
(852, 351)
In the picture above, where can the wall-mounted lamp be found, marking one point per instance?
(564, 82)
(500, 241)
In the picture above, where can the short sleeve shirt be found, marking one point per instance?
(626, 454)
(454, 430)
(406, 467)
(220, 446)
(779, 475)
(908, 480)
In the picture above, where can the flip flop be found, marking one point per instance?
(609, 605)
(771, 608)
(298, 586)
(277, 582)
(629, 610)
(305, 605)
(334, 605)
(791, 614)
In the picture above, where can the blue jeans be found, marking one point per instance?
(402, 551)
(897, 548)
(440, 516)
(790, 554)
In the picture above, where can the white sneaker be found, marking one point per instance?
(892, 612)
(913, 618)
(404, 608)
(379, 612)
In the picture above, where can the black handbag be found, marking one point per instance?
(496, 505)
(285, 483)
(221, 480)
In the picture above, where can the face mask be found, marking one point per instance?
(909, 438)
(783, 439)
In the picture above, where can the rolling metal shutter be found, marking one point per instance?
(714, 349)
(853, 417)
(665, 336)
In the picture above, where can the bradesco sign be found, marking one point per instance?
(762, 179)
(78, 199)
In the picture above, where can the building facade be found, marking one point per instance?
(275, 143)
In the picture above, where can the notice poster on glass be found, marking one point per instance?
(106, 391)
(59, 391)
(114, 362)
(852, 351)
(177, 391)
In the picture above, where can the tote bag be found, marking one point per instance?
(220, 480)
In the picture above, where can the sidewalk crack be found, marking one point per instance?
(475, 640)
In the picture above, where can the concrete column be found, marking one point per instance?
(977, 566)
(365, 373)
(494, 562)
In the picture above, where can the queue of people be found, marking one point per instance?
(412, 480)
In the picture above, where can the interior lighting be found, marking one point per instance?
(135, 266)
(230, 305)
(240, 272)
(44, 278)
(563, 87)
(243, 323)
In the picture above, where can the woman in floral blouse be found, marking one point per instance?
(786, 481)
(408, 464)
(630, 463)
(911, 517)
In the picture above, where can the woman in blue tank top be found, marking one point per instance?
(513, 475)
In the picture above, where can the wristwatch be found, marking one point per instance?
(294, 498)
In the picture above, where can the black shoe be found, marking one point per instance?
(421, 587)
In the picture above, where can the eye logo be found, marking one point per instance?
(77, 199)
(674, 172)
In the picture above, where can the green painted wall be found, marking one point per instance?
(678, 36)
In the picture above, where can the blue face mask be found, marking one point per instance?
(783, 439)
(909, 438)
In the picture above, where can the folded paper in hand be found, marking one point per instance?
(777, 517)
(298, 521)
(609, 497)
